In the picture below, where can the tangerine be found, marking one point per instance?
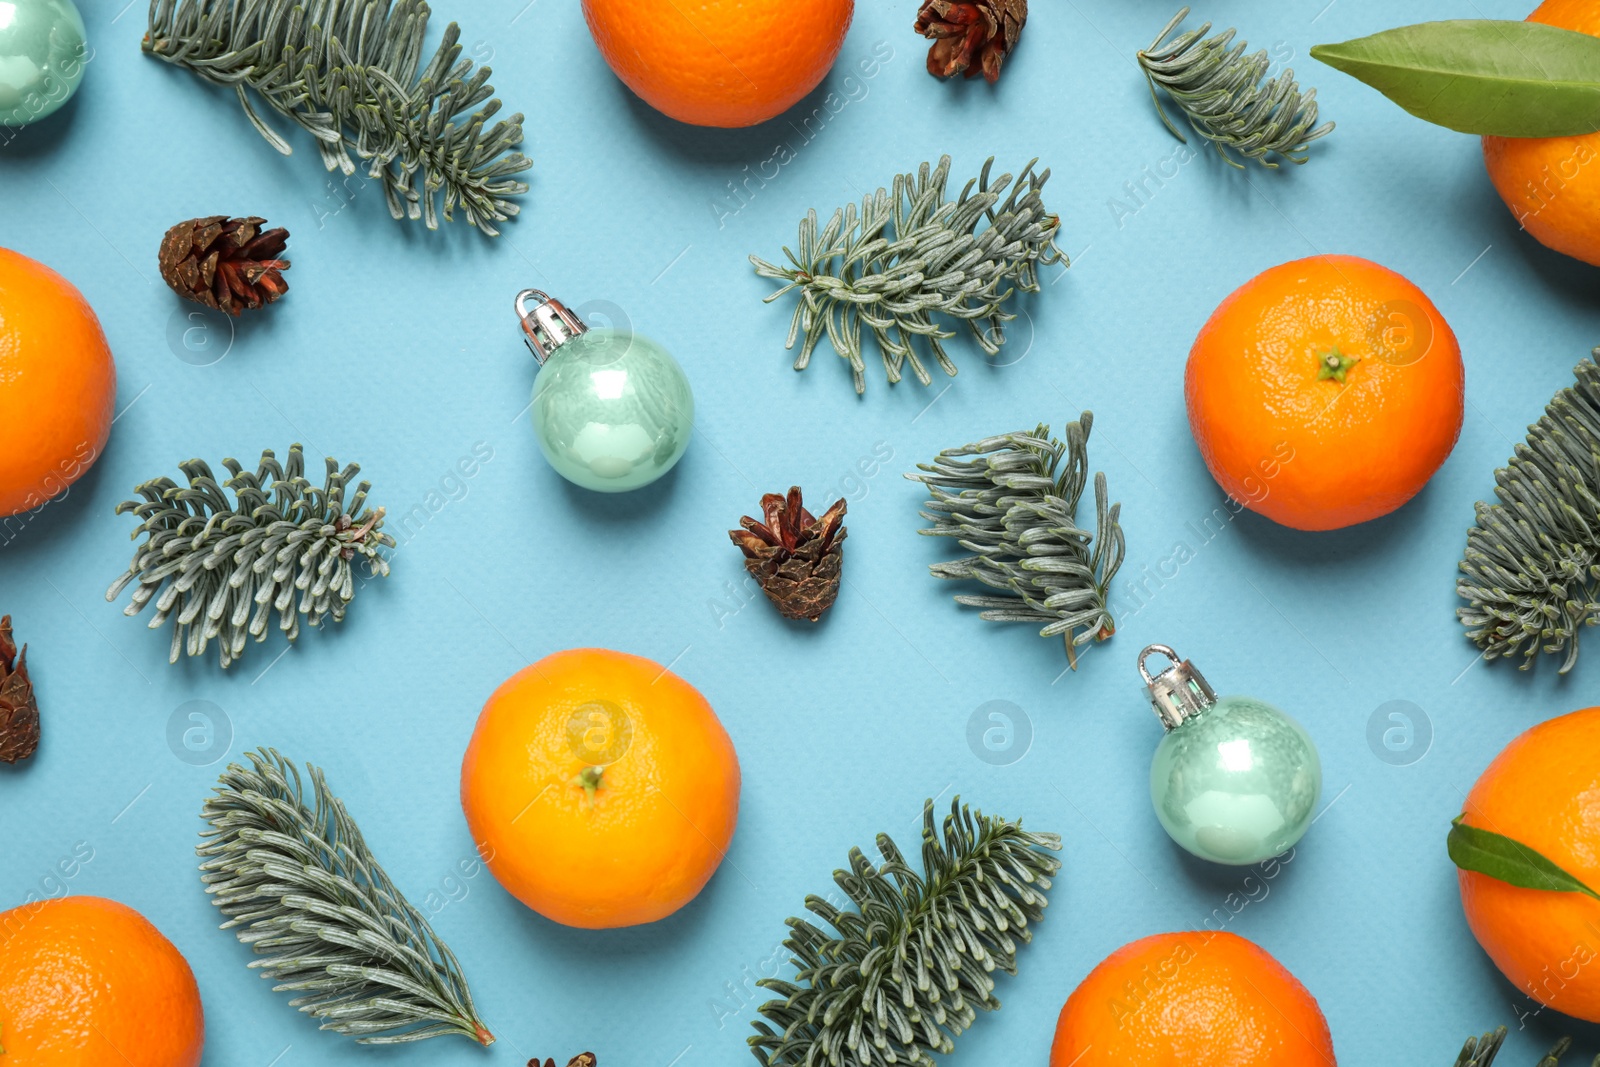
(58, 385)
(1325, 392)
(1543, 791)
(1552, 184)
(719, 62)
(1195, 999)
(86, 982)
(601, 788)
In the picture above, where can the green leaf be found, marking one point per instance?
(1508, 860)
(1485, 76)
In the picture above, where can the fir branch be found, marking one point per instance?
(1481, 1051)
(911, 254)
(222, 567)
(904, 974)
(1219, 89)
(1532, 562)
(1014, 505)
(300, 887)
(346, 71)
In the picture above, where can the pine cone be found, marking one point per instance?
(223, 263)
(19, 713)
(794, 555)
(970, 36)
(582, 1059)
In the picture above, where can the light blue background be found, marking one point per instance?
(397, 349)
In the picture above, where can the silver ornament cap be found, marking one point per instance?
(1177, 693)
(547, 325)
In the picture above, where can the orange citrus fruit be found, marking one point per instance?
(719, 62)
(1552, 184)
(600, 788)
(88, 982)
(58, 387)
(1196, 999)
(1543, 791)
(1325, 392)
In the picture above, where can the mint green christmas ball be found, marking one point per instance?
(1236, 783)
(612, 410)
(42, 56)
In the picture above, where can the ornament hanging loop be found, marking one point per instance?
(1177, 693)
(547, 325)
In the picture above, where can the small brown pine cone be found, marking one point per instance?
(794, 555)
(223, 263)
(19, 713)
(582, 1059)
(971, 36)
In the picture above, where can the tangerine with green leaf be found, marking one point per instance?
(1537, 808)
(1552, 184)
(1325, 392)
